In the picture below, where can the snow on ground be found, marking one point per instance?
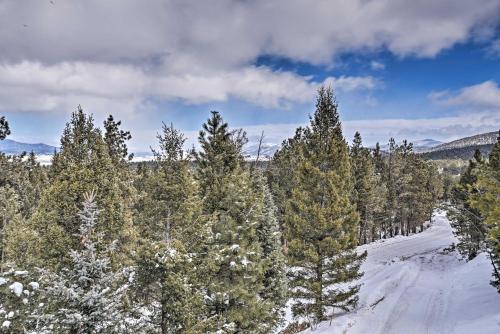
(413, 285)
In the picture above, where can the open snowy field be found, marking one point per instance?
(414, 285)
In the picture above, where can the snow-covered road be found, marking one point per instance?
(415, 285)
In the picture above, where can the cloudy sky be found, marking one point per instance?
(402, 68)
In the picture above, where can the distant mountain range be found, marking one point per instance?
(431, 149)
(9, 146)
(267, 150)
(463, 148)
(488, 138)
(421, 145)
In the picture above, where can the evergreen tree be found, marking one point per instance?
(26, 177)
(391, 176)
(87, 296)
(364, 185)
(282, 179)
(220, 156)
(35, 180)
(234, 263)
(9, 214)
(116, 140)
(22, 181)
(82, 165)
(434, 188)
(380, 203)
(274, 266)
(494, 158)
(402, 176)
(466, 220)
(167, 288)
(323, 223)
(169, 202)
(420, 196)
(378, 160)
(168, 219)
(19, 300)
(486, 200)
(4, 128)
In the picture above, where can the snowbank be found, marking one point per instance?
(414, 285)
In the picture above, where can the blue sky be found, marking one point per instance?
(399, 68)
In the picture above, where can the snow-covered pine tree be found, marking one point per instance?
(171, 238)
(234, 262)
(234, 265)
(275, 289)
(167, 288)
(19, 294)
(322, 221)
(88, 296)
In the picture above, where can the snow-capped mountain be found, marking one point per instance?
(425, 144)
(422, 145)
(267, 151)
(488, 138)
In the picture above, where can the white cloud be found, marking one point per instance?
(347, 83)
(32, 86)
(376, 65)
(483, 95)
(112, 56)
(494, 48)
(120, 52)
(258, 85)
(229, 33)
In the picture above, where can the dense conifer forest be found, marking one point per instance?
(200, 241)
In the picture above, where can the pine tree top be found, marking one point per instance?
(357, 145)
(220, 148)
(4, 128)
(171, 142)
(326, 121)
(116, 139)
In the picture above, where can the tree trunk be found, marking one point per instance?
(164, 312)
(319, 294)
